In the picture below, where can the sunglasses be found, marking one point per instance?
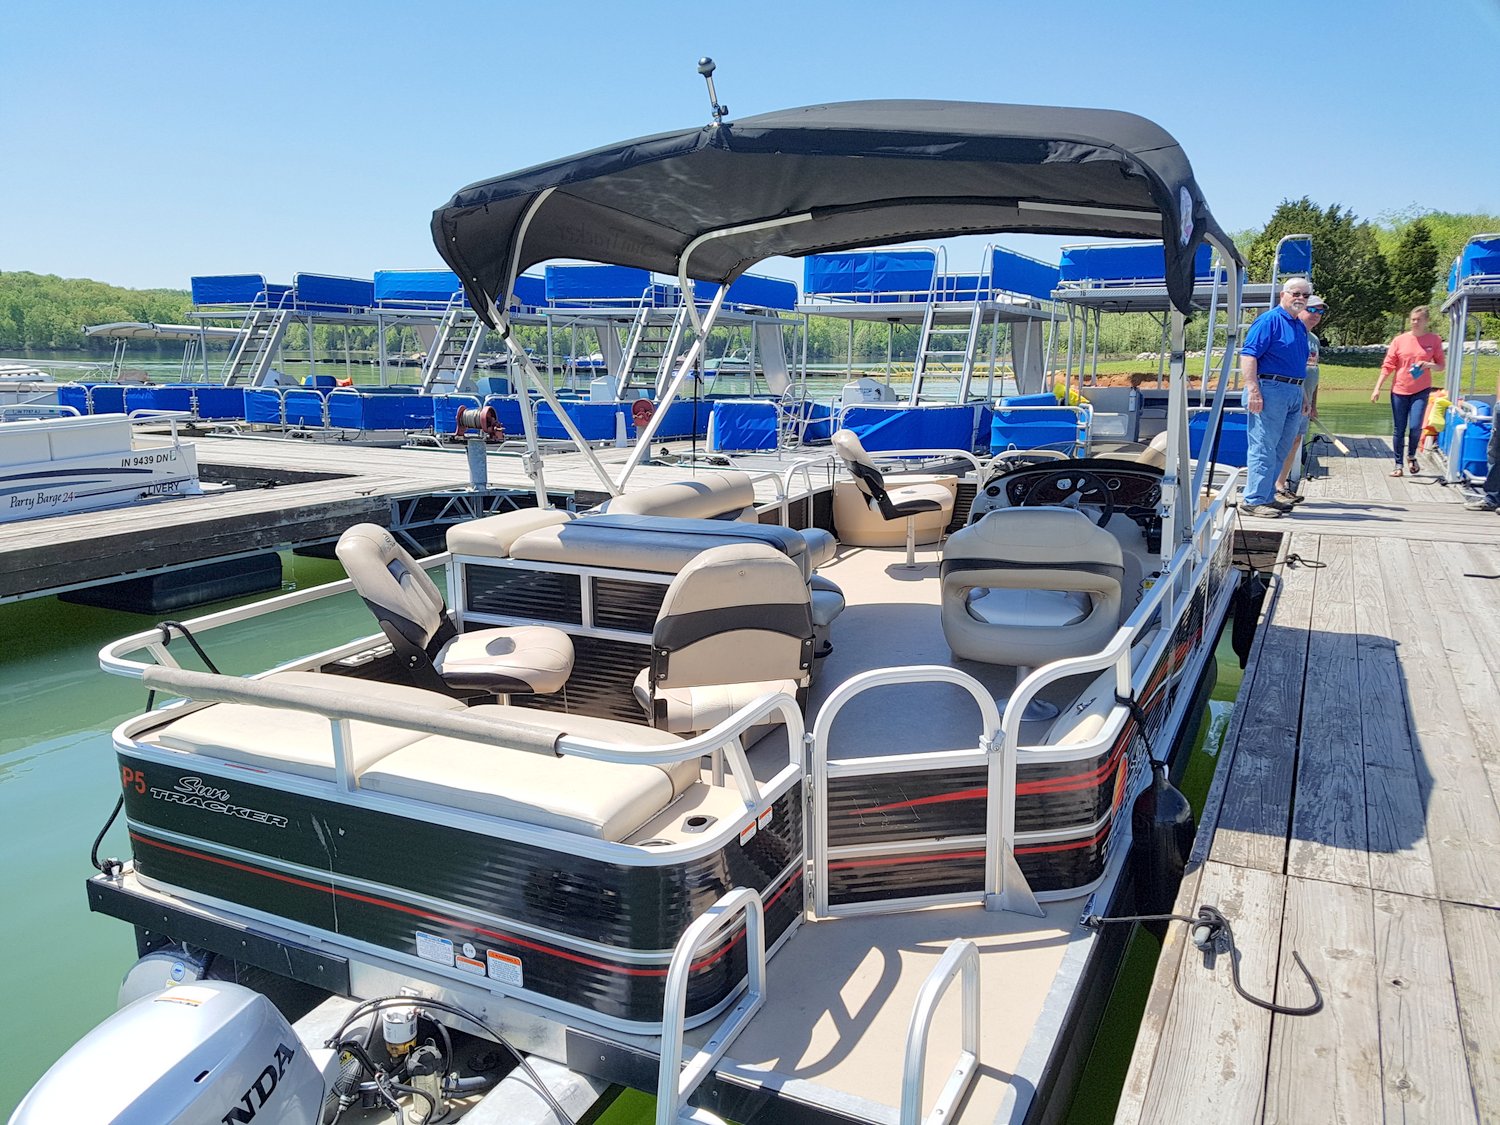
(1303, 293)
(1318, 310)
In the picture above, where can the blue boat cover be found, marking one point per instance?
(752, 291)
(436, 287)
(868, 272)
(1480, 258)
(237, 289)
(1035, 426)
(1126, 261)
(319, 292)
(1295, 258)
(595, 283)
(746, 425)
(914, 427)
(1016, 273)
(359, 410)
(1234, 442)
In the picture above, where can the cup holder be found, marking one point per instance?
(656, 843)
(698, 822)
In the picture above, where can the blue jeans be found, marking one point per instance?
(1271, 434)
(1408, 412)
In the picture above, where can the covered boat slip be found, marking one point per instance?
(1355, 819)
(1473, 288)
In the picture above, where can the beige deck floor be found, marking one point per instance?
(1354, 819)
(841, 992)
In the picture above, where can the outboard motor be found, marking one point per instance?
(1162, 829)
(205, 1053)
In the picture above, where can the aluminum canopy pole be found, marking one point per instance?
(1234, 282)
(684, 369)
(1177, 523)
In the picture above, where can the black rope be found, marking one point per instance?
(112, 865)
(1210, 929)
(1139, 715)
(1296, 560)
(166, 627)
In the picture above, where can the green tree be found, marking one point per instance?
(1414, 271)
(1349, 270)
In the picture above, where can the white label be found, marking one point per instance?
(433, 948)
(764, 818)
(504, 968)
(186, 994)
(470, 965)
(747, 833)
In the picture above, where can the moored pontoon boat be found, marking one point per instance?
(749, 793)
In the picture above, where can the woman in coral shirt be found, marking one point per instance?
(1410, 361)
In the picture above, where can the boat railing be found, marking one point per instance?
(959, 960)
(675, 1082)
(36, 410)
(1005, 887)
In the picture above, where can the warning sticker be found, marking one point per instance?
(469, 965)
(764, 818)
(747, 833)
(504, 968)
(186, 994)
(430, 947)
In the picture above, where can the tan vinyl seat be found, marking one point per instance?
(603, 800)
(523, 659)
(869, 514)
(1155, 453)
(299, 742)
(736, 623)
(1027, 586)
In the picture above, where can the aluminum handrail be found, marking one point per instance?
(675, 1082)
(960, 958)
(1005, 887)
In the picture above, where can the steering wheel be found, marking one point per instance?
(1076, 485)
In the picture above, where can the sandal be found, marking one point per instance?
(1396, 472)
(1412, 467)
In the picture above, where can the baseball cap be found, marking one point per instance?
(1316, 303)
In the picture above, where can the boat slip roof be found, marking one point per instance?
(861, 173)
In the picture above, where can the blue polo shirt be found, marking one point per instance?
(1278, 341)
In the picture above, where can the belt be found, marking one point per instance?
(1282, 379)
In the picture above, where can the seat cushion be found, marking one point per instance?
(297, 742)
(491, 536)
(1037, 608)
(524, 658)
(603, 800)
(695, 709)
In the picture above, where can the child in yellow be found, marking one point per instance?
(1437, 418)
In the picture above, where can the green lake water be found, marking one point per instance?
(58, 783)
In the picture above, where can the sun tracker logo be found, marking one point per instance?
(192, 791)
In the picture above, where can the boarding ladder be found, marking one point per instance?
(249, 362)
(946, 349)
(651, 347)
(450, 361)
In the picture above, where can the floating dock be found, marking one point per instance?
(1353, 819)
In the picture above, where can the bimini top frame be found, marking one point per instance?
(709, 203)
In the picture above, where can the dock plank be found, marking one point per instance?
(1320, 1065)
(1217, 1076)
(1474, 946)
(1424, 1071)
(1257, 801)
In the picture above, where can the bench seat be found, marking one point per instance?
(603, 800)
(299, 742)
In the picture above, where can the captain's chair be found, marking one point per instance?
(736, 624)
(526, 659)
(1027, 586)
(928, 502)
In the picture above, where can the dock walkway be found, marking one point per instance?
(1353, 819)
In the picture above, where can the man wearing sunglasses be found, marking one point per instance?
(1312, 316)
(1273, 364)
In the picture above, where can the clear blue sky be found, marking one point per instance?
(145, 142)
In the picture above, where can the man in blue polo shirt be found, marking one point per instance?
(1273, 363)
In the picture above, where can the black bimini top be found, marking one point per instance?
(861, 173)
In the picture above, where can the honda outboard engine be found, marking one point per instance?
(204, 1053)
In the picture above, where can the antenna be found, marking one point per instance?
(706, 68)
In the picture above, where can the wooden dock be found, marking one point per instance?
(1353, 819)
(290, 493)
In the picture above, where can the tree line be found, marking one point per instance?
(1371, 274)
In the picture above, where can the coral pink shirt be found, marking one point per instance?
(1407, 349)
